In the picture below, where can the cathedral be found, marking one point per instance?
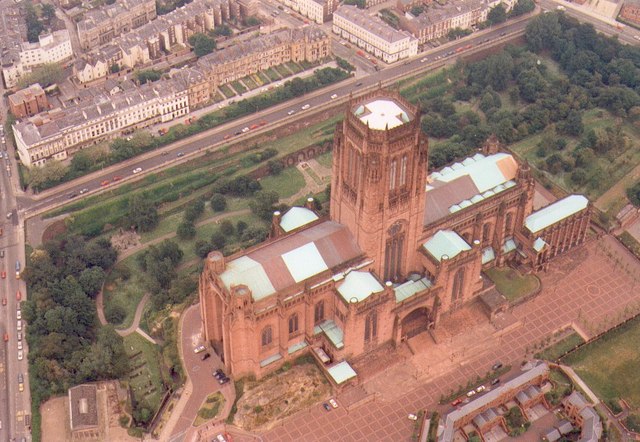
(400, 248)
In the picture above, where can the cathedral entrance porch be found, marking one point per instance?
(414, 323)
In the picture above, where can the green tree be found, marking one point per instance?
(275, 167)
(48, 12)
(202, 248)
(251, 21)
(223, 30)
(361, 4)
(497, 14)
(186, 230)
(264, 202)
(218, 202)
(218, 240)
(53, 171)
(417, 10)
(148, 75)
(522, 7)
(241, 226)
(91, 280)
(226, 227)
(114, 68)
(142, 213)
(202, 44)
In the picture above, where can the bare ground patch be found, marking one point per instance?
(267, 401)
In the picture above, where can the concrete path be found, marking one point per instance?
(575, 378)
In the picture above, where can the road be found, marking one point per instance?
(193, 146)
(12, 244)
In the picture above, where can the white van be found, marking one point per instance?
(19, 323)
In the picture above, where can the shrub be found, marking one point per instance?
(226, 227)
(218, 202)
(186, 230)
(115, 314)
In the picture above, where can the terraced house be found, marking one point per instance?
(400, 249)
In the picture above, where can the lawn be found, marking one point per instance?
(553, 352)
(294, 67)
(144, 376)
(325, 160)
(272, 74)
(287, 183)
(610, 365)
(124, 293)
(283, 71)
(226, 91)
(264, 77)
(209, 409)
(239, 87)
(248, 81)
(511, 283)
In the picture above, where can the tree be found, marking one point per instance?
(218, 240)
(263, 204)
(91, 280)
(417, 10)
(114, 68)
(148, 75)
(344, 64)
(142, 213)
(223, 30)
(226, 227)
(497, 14)
(275, 167)
(241, 226)
(361, 4)
(34, 27)
(52, 172)
(194, 210)
(522, 7)
(202, 248)
(218, 202)
(48, 12)
(186, 230)
(202, 44)
(251, 21)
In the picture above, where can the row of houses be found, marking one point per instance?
(113, 109)
(103, 24)
(18, 56)
(159, 37)
(389, 44)
(319, 11)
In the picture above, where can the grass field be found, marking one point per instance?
(287, 183)
(610, 365)
(226, 91)
(264, 77)
(145, 377)
(126, 294)
(511, 283)
(272, 74)
(283, 71)
(325, 159)
(239, 87)
(294, 67)
(209, 409)
(556, 350)
(249, 82)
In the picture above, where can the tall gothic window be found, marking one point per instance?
(486, 231)
(267, 336)
(403, 171)
(392, 175)
(393, 253)
(458, 284)
(371, 326)
(508, 223)
(318, 313)
(293, 323)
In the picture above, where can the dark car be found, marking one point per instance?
(180, 154)
(219, 374)
(496, 381)
(238, 133)
(72, 195)
(205, 356)
(502, 34)
(497, 366)
(223, 380)
(359, 84)
(326, 406)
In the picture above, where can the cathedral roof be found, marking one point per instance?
(358, 286)
(291, 259)
(465, 183)
(297, 217)
(555, 212)
(382, 113)
(446, 243)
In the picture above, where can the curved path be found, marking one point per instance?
(136, 318)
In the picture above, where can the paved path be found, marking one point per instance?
(578, 380)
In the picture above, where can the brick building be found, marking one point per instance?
(631, 11)
(399, 250)
(28, 101)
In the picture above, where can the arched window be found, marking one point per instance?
(486, 232)
(267, 336)
(318, 313)
(293, 323)
(392, 175)
(371, 326)
(403, 171)
(508, 222)
(458, 284)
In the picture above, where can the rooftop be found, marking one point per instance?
(83, 407)
(371, 23)
(555, 212)
(341, 372)
(297, 217)
(468, 182)
(291, 259)
(381, 114)
(445, 243)
(358, 286)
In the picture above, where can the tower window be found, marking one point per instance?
(403, 171)
(486, 232)
(371, 327)
(392, 175)
(458, 283)
(293, 323)
(508, 223)
(267, 336)
(318, 314)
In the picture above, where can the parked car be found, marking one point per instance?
(104, 183)
(4, 301)
(496, 381)
(424, 60)
(306, 106)
(218, 373)
(227, 136)
(1, 253)
(20, 355)
(19, 336)
(480, 389)
(471, 393)
(137, 170)
(205, 356)
(199, 349)
(413, 417)
(334, 96)
(245, 130)
(333, 403)
(72, 195)
(358, 84)
(83, 191)
(4, 274)
(291, 112)
(223, 380)
(456, 402)
(497, 366)
(19, 314)
(116, 178)
(19, 345)
(326, 406)
(6, 337)
(18, 295)
(180, 154)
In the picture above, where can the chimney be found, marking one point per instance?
(275, 224)
(310, 204)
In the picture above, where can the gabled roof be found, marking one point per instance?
(445, 242)
(358, 286)
(297, 217)
(555, 212)
(468, 182)
(292, 259)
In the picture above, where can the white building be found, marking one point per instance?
(51, 48)
(319, 11)
(59, 133)
(373, 35)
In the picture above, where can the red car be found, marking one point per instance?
(116, 178)
(227, 136)
(104, 183)
(4, 301)
(4, 274)
(456, 402)
(6, 337)
(262, 123)
(18, 295)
